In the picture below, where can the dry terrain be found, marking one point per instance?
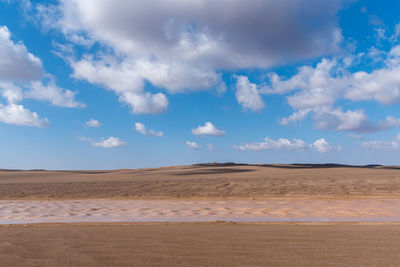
(200, 244)
(367, 194)
(204, 181)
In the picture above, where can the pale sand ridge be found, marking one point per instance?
(318, 210)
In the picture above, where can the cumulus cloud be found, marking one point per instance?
(141, 128)
(185, 45)
(192, 145)
(208, 129)
(109, 142)
(327, 118)
(320, 145)
(17, 64)
(18, 115)
(11, 92)
(248, 95)
(145, 102)
(52, 93)
(279, 144)
(124, 81)
(315, 90)
(93, 123)
(205, 32)
(21, 75)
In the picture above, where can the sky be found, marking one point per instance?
(101, 84)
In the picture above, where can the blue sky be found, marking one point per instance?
(97, 84)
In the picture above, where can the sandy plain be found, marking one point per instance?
(363, 193)
(200, 244)
(205, 181)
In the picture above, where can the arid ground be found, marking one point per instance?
(200, 244)
(204, 181)
(364, 194)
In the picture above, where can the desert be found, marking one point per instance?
(205, 181)
(203, 214)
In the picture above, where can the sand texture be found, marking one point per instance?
(204, 181)
(317, 210)
(201, 244)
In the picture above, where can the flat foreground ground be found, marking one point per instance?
(204, 181)
(200, 244)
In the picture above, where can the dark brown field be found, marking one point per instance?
(204, 181)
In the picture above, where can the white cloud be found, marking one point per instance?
(316, 90)
(141, 128)
(20, 77)
(382, 85)
(279, 144)
(154, 133)
(327, 118)
(320, 145)
(146, 103)
(17, 64)
(306, 79)
(177, 78)
(208, 129)
(311, 99)
(18, 115)
(185, 45)
(11, 92)
(93, 123)
(192, 145)
(296, 116)
(54, 94)
(204, 32)
(390, 122)
(124, 81)
(109, 142)
(383, 145)
(248, 95)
